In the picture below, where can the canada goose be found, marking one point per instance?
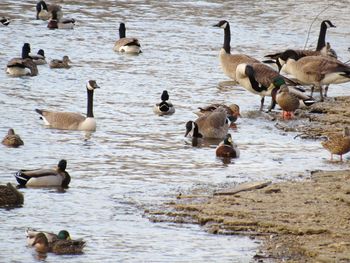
(229, 61)
(72, 120)
(321, 43)
(45, 177)
(23, 66)
(338, 144)
(289, 100)
(260, 79)
(60, 246)
(126, 44)
(57, 63)
(44, 11)
(316, 70)
(51, 237)
(63, 23)
(10, 196)
(227, 148)
(232, 110)
(193, 130)
(39, 58)
(4, 21)
(212, 125)
(165, 107)
(12, 139)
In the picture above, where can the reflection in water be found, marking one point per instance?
(136, 160)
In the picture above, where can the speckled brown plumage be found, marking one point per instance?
(338, 144)
(10, 196)
(12, 139)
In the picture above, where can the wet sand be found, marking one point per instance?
(306, 220)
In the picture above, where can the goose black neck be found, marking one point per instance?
(321, 43)
(255, 84)
(90, 97)
(122, 31)
(227, 38)
(196, 133)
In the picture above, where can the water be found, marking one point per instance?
(136, 160)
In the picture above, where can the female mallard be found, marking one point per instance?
(165, 107)
(51, 237)
(39, 58)
(45, 177)
(59, 246)
(57, 63)
(12, 139)
(4, 21)
(126, 44)
(232, 110)
(193, 130)
(23, 66)
(44, 11)
(227, 148)
(10, 196)
(338, 144)
(63, 23)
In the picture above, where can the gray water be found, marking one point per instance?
(137, 160)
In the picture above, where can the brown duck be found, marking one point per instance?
(338, 144)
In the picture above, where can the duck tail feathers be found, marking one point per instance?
(21, 178)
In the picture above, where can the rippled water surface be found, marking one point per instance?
(136, 160)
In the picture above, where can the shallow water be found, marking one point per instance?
(136, 160)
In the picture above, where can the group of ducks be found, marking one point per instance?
(317, 68)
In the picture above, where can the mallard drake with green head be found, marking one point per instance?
(165, 107)
(45, 177)
(10, 196)
(227, 148)
(338, 144)
(12, 139)
(51, 237)
(39, 58)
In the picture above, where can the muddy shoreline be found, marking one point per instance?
(305, 220)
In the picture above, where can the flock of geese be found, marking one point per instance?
(317, 68)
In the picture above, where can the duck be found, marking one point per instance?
(44, 11)
(72, 120)
(60, 247)
(232, 110)
(338, 144)
(60, 23)
(45, 177)
(39, 58)
(260, 79)
(213, 125)
(57, 63)
(229, 62)
(227, 148)
(23, 66)
(165, 107)
(125, 44)
(51, 237)
(192, 130)
(315, 70)
(10, 196)
(12, 139)
(4, 21)
(289, 100)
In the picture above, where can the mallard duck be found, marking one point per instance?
(23, 66)
(227, 148)
(338, 144)
(289, 100)
(45, 177)
(59, 246)
(12, 139)
(126, 44)
(72, 120)
(39, 58)
(63, 23)
(232, 110)
(193, 131)
(44, 11)
(10, 196)
(165, 107)
(229, 62)
(51, 237)
(57, 63)
(4, 21)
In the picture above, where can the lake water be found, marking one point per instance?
(137, 160)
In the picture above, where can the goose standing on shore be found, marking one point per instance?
(126, 44)
(72, 120)
(229, 62)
